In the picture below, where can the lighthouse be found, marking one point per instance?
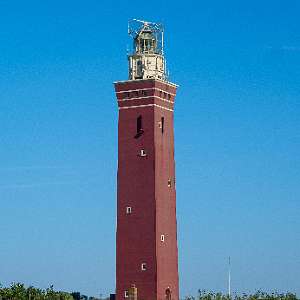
(146, 237)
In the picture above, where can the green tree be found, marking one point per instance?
(18, 291)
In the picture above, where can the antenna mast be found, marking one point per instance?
(229, 278)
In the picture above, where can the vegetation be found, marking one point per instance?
(203, 295)
(18, 291)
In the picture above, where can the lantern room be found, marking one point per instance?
(146, 60)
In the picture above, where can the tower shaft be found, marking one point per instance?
(147, 255)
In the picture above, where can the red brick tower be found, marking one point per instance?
(147, 255)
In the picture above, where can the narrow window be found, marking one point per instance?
(169, 182)
(139, 124)
(162, 238)
(168, 294)
(139, 127)
(128, 210)
(143, 266)
(162, 124)
(139, 69)
(126, 294)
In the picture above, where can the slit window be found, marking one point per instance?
(143, 266)
(162, 238)
(169, 183)
(139, 124)
(162, 121)
(126, 294)
(128, 210)
(139, 127)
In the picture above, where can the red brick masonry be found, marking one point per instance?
(146, 235)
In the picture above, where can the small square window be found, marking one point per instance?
(126, 294)
(128, 210)
(143, 153)
(143, 266)
(162, 238)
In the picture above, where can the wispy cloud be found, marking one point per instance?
(17, 186)
(287, 48)
(290, 48)
(29, 168)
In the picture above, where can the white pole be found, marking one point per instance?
(162, 42)
(229, 278)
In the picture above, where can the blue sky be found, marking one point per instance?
(237, 135)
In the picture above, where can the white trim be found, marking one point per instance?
(146, 105)
(147, 97)
(148, 79)
(145, 89)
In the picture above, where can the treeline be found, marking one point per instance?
(204, 295)
(18, 291)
